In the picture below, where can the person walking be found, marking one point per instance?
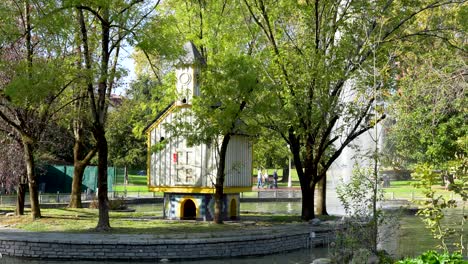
(267, 182)
(259, 179)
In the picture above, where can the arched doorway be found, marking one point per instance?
(188, 210)
(233, 209)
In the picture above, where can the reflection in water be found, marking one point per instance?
(272, 207)
(414, 238)
(304, 256)
(409, 238)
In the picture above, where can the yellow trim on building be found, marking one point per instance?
(186, 189)
(165, 114)
(160, 119)
(148, 136)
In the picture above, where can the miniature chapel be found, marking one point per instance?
(186, 174)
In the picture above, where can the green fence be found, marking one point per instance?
(58, 178)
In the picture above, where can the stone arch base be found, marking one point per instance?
(180, 206)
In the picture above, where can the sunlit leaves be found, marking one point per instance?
(432, 211)
(228, 82)
(32, 86)
(429, 108)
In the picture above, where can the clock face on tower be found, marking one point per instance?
(184, 78)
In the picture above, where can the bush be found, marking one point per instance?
(432, 257)
(118, 204)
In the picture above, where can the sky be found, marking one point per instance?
(128, 63)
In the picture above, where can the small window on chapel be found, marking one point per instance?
(161, 139)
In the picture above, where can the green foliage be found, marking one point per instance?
(33, 86)
(432, 211)
(359, 198)
(125, 148)
(324, 64)
(270, 151)
(126, 122)
(228, 89)
(432, 257)
(158, 38)
(356, 196)
(429, 109)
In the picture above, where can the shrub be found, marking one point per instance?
(432, 257)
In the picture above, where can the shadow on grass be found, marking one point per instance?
(82, 221)
(153, 225)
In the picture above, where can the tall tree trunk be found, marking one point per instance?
(305, 178)
(78, 171)
(79, 166)
(80, 160)
(308, 192)
(219, 185)
(20, 197)
(321, 207)
(99, 109)
(101, 142)
(33, 192)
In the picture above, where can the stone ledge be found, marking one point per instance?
(142, 247)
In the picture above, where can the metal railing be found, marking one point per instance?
(60, 198)
(57, 198)
(272, 193)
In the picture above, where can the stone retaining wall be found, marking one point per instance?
(154, 249)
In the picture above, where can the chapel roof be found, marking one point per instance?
(192, 55)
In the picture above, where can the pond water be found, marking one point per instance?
(408, 238)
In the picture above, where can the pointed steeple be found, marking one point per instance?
(187, 73)
(192, 56)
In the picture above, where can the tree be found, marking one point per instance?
(228, 81)
(83, 147)
(34, 74)
(271, 152)
(320, 58)
(228, 89)
(12, 170)
(429, 115)
(146, 97)
(125, 148)
(116, 20)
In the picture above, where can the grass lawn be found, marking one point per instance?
(133, 179)
(406, 190)
(131, 188)
(85, 220)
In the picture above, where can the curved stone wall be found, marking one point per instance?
(144, 247)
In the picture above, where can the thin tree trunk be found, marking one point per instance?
(20, 198)
(125, 177)
(219, 185)
(375, 230)
(33, 192)
(80, 161)
(285, 177)
(98, 107)
(101, 142)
